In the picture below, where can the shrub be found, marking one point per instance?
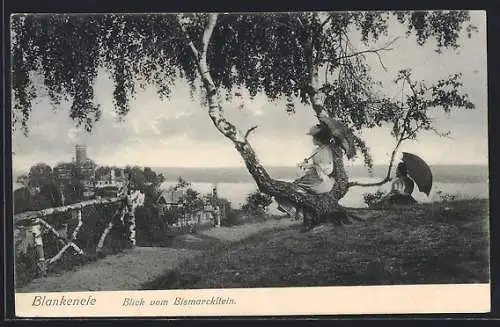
(257, 203)
(229, 216)
(192, 201)
(149, 225)
(446, 197)
(171, 215)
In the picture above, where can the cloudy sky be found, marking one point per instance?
(178, 132)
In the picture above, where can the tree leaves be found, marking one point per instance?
(443, 26)
(40, 175)
(68, 50)
(263, 53)
(413, 114)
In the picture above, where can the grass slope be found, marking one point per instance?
(427, 243)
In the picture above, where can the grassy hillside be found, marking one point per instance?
(427, 243)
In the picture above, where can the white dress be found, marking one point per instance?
(317, 179)
(402, 185)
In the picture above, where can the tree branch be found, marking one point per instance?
(292, 28)
(326, 21)
(207, 34)
(363, 52)
(381, 62)
(326, 72)
(214, 108)
(375, 51)
(313, 83)
(190, 42)
(405, 134)
(412, 86)
(250, 130)
(388, 176)
(441, 134)
(300, 22)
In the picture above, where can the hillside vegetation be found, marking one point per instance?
(424, 244)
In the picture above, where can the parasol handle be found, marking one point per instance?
(332, 140)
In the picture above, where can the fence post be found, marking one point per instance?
(76, 214)
(100, 244)
(132, 227)
(218, 213)
(134, 200)
(35, 230)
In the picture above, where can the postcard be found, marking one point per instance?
(250, 164)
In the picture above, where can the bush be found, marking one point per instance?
(192, 201)
(25, 267)
(257, 203)
(446, 197)
(231, 218)
(371, 198)
(172, 214)
(149, 225)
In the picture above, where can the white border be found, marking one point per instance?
(407, 299)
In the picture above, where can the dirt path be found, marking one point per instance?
(132, 268)
(238, 233)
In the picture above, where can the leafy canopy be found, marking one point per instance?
(262, 53)
(40, 175)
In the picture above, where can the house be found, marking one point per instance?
(169, 198)
(87, 169)
(111, 185)
(170, 204)
(115, 178)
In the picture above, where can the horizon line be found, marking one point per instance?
(275, 166)
(292, 166)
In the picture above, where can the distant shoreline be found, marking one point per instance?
(442, 173)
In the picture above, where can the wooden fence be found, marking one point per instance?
(35, 224)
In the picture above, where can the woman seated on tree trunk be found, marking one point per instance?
(401, 189)
(318, 169)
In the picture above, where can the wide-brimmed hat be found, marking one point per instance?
(341, 133)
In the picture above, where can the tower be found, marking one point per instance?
(214, 193)
(81, 154)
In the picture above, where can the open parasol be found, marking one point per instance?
(419, 171)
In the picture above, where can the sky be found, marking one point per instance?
(178, 132)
